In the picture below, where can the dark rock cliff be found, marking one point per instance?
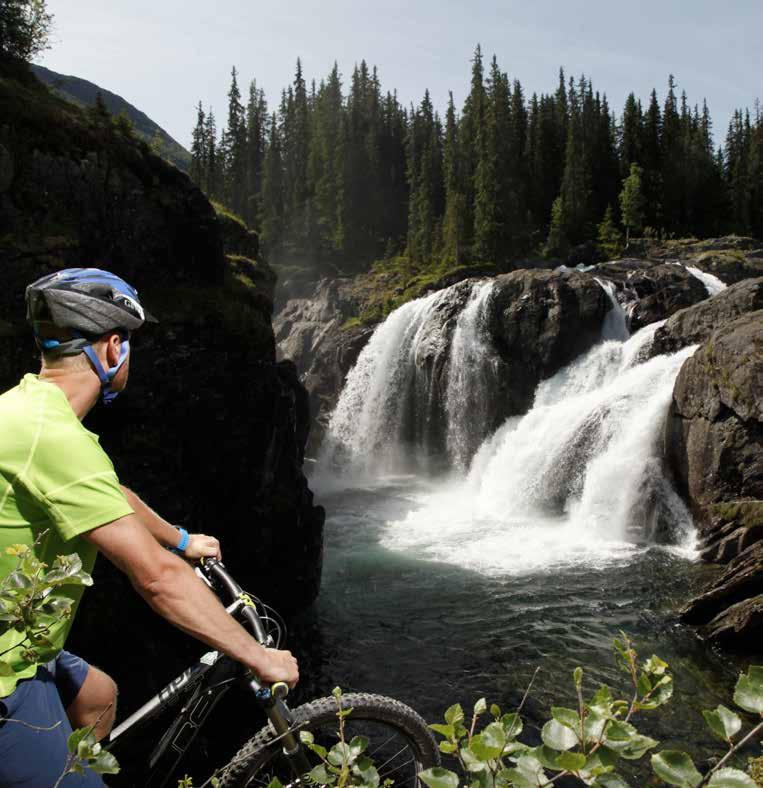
(211, 430)
(714, 445)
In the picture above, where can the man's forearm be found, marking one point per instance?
(164, 533)
(180, 597)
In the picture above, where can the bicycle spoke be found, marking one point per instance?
(389, 760)
(382, 746)
(396, 769)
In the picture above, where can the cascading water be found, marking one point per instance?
(712, 283)
(578, 479)
(471, 371)
(365, 431)
(615, 323)
(419, 388)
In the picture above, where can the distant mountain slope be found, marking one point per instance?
(83, 93)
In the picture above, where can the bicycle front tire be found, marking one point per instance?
(374, 716)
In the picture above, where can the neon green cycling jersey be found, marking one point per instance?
(54, 478)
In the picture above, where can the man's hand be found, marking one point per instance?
(202, 546)
(276, 666)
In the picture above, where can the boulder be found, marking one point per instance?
(695, 325)
(730, 610)
(538, 322)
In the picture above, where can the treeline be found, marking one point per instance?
(346, 178)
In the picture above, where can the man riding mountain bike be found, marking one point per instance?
(59, 493)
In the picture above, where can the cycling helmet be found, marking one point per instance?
(88, 302)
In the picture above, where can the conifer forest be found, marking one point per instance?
(342, 174)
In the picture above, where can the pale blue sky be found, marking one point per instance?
(165, 55)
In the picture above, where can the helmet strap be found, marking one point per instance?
(106, 376)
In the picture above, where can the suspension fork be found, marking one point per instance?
(282, 720)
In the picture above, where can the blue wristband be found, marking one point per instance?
(183, 543)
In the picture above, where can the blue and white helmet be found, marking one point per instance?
(89, 303)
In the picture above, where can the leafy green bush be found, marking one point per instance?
(588, 743)
(30, 605)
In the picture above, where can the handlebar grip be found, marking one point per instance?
(280, 690)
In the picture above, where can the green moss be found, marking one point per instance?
(393, 282)
(227, 215)
(745, 513)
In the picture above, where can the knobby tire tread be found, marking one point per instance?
(365, 706)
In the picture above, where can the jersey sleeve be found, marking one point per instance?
(76, 483)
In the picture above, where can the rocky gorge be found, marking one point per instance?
(537, 321)
(212, 428)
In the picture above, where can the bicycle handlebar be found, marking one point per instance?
(214, 570)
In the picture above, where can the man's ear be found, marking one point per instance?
(113, 348)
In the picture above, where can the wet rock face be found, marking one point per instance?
(538, 322)
(715, 425)
(311, 332)
(211, 429)
(714, 444)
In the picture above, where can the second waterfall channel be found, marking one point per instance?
(466, 547)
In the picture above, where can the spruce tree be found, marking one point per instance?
(455, 201)
(609, 237)
(198, 168)
(273, 225)
(632, 202)
(256, 140)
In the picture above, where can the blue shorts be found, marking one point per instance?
(36, 758)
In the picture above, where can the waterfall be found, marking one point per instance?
(420, 390)
(712, 283)
(615, 323)
(471, 371)
(578, 478)
(365, 432)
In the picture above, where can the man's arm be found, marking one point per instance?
(166, 534)
(173, 590)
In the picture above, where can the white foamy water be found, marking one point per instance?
(471, 371)
(577, 480)
(615, 323)
(712, 283)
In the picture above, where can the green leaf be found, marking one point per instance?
(571, 761)
(306, 737)
(339, 754)
(488, 745)
(471, 761)
(366, 771)
(358, 745)
(528, 773)
(610, 781)
(495, 710)
(748, 694)
(602, 699)
(577, 676)
(558, 736)
(480, 707)
(275, 783)
(594, 724)
(644, 685)
(512, 724)
(75, 737)
(722, 722)
(105, 763)
(655, 666)
(731, 778)
(448, 731)
(319, 775)
(567, 717)
(638, 747)
(619, 735)
(5, 669)
(454, 714)
(448, 747)
(546, 756)
(337, 692)
(438, 777)
(676, 768)
(662, 691)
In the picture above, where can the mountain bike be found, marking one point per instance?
(401, 744)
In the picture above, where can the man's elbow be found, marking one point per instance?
(159, 580)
